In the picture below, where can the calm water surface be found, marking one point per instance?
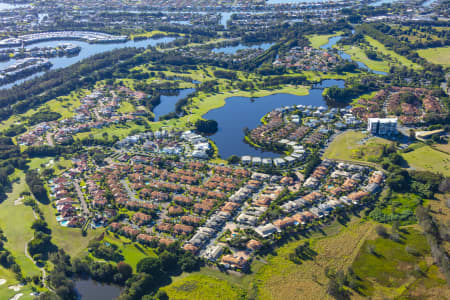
(87, 50)
(235, 49)
(92, 290)
(241, 112)
(167, 104)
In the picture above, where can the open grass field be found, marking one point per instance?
(348, 146)
(16, 220)
(120, 130)
(318, 40)
(439, 56)
(148, 34)
(396, 58)
(357, 53)
(282, 279)
(440, 212)
(443, 147)
(132, 252)
(386, 270)
(275, 276)
(426, 158)
(402, 206)
(201, 287)
(70, 239)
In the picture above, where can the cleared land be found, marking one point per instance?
(441, 212)
(443, 147)
(426, 158)
(275, 276)
(388, 269)
(198, 286)
(318, 40)
(439, 56)
(354, 146)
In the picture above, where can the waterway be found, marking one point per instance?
(243, 112)
(92, 290)
(87, 50)
(381, 2)
(235, 49)
(7, 6)
(293, 1)
(167, 104)
(225, 16)
(333, 40)
(428, 3)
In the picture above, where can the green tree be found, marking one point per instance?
(149, 265)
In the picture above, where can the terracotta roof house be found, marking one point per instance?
(183, 229)
(141, 218)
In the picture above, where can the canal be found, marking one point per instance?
(87, 50)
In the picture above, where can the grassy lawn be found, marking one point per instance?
(389, 271)
(439, 56)
(426, 158)
(348, 146)
(120, 130)
(318, 40)
(65, 105)
(10, 277)
(441, 213)
(70, 239)
(132, 252)
(397, 58)
(443, 147)
(282, 279)
(148, 34)
(357, 53)
(202, 287)
(16, 220)
(126, 107)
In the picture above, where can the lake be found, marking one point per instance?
(241, 112)
(235, 49)
(87, 50)
(167, 104)
(333, 40)
(92, 290)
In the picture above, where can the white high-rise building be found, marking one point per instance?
(382, 126)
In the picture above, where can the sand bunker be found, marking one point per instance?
(16, 297)
(15, 288)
